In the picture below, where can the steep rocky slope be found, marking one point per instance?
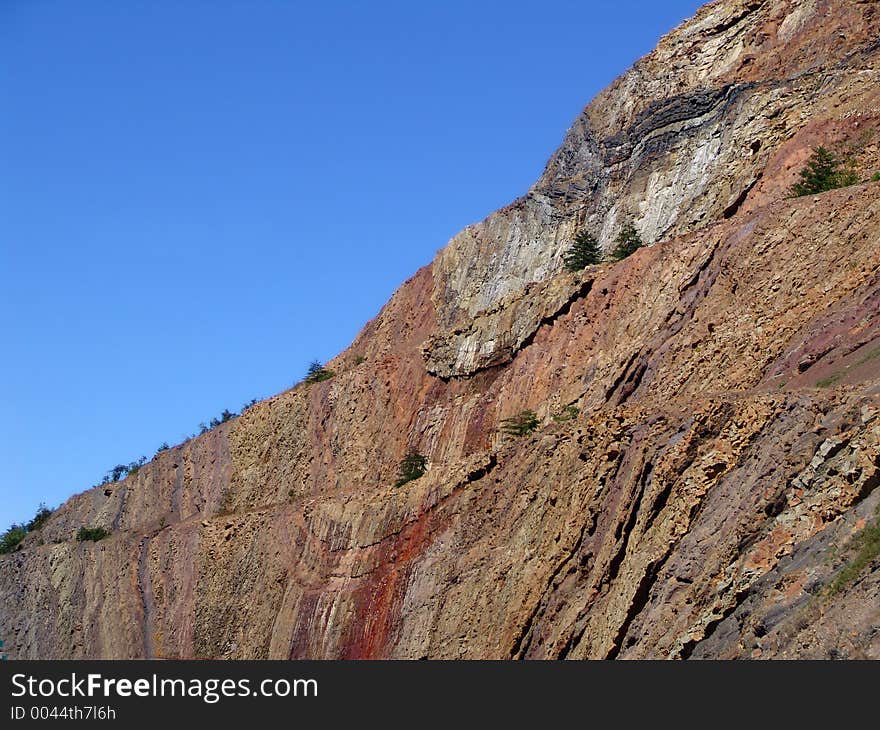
(726, 446)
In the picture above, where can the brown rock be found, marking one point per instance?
(726, 381)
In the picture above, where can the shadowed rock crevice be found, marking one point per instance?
(732, 209)
(639, 601)
(145, 588)
(523, 640)
(521, 333)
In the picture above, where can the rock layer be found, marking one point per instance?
(710, 421)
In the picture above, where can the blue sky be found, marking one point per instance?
(197, 198)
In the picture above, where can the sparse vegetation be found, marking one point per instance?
(249, 404)
(627, 243)
(522, 424)
(823, 172)
(583, 252)
(412, 466)
(115, 474)
(569, 413)
(867, 357)
(832, 379)
(225, 416)
(39, 519)
(359, 359)
(10, 540)
(135, 466)
(317, 372)
(91, 533)
(875, 177)
(867, 547)
(121, 471)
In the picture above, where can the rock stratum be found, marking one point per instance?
(705, 501)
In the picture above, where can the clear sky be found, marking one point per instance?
(199, 197)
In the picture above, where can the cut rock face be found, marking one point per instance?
(707, 453)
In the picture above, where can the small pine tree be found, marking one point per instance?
(135, 466)
(583, 252)
(628, 242)
(317, 372)
(43, 514)
(823, 172)
(9, 540)
(522, 424)
(116, 473)
(412, 466)
(225, 416)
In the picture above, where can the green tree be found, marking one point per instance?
(227, 415)
(628, 242)
(116, 473)
(521, 424)
(135, 466)
(9, 540)
(412, 466)
(583, 252)
(317, 372)
(43, 514)
(91, 533)
(823, 172)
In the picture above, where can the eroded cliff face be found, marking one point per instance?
(677, 142)
(726, 446)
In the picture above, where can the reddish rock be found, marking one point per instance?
(700, 502)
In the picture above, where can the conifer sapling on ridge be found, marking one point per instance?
(823, 172)
(628, 242)
(583, 252)
(317, 372)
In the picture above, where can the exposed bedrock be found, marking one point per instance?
(708, 452)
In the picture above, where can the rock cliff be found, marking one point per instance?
(708, 456)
